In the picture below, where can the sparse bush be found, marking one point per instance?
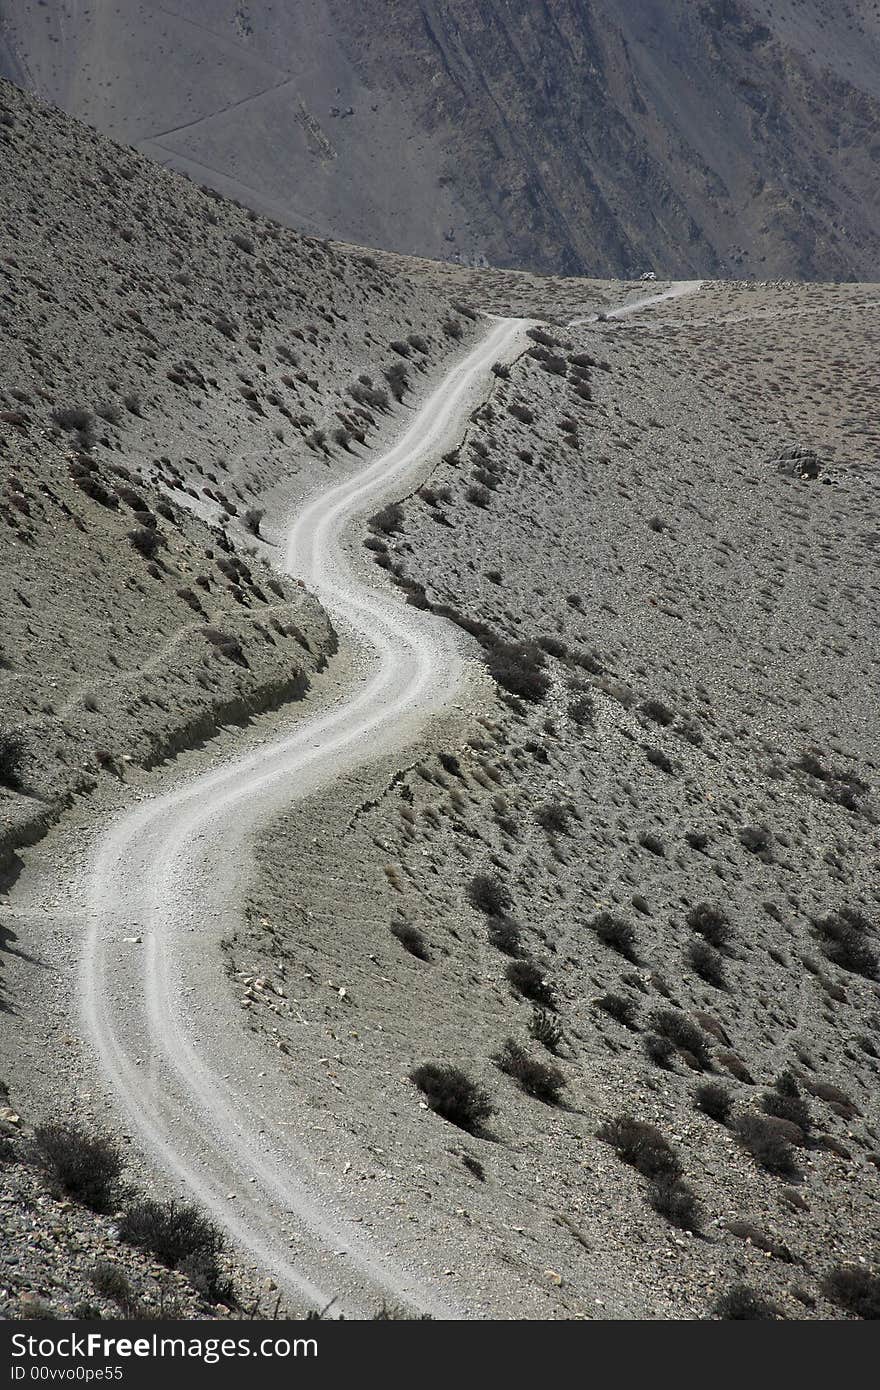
(707, 963)
(736, 1066)
(11, 760)
(697, 839)
(657, 758)
(180, 1237)
(479, 495)
(758, 840)
(843, 937)
(540, 335)
(683, 1034)
(855, 1288)
(785, 1102)
(553, 817)
(451, 1094)
(743, 1303)
(474, 1166)
(675, 1200)
(616, 933)
(517, 668)
(621, 1009)
(711, 923)
(388, 520)
(146, 541)
(651, 842)
(76, 419)
(398, 380)
(715, 1101)
(112, 1282)
(658, 712)
(84, 1166)
(487, 894)
(226, 644)
(504, 934)
(411, 939)
(763, 1140)
(528, 980)
(659, 1049)
(642, 1146)
(538, 1079)
(580, 711)
(451, 763)
(747, 1230)
(546, 1029)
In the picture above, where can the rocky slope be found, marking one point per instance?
(658, 824)
(172, 366)
(584, 136)
(650, 861)
(169, 361)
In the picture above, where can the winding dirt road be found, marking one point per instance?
(196, 1092)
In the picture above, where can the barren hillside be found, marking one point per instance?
(624, 885)
(591, 137)
(168, 360)
(642, 881)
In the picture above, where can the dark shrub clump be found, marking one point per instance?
(711, 923)
(11, 759)
(546, 1029)
(642, 1146)
(786, 1103)
(614, 932)
(504, 934)
(843, 935)
(660, 1050)
(488, 894)
(854, 1288)
(517, 668)
(180, 1237)
(742, 1302)
(411, 939)
(553, 817)
(683, 1034)
(618, 1007)
(452, 1095)
(707, 963)
(528, 980)
(715, 1101)
(112, 1282)
(539, 1079)
(768, 1147)
(674, 1200)
(85, 1166)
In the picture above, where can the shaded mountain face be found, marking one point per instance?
(724, 137)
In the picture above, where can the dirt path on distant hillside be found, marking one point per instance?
(197, 1091)
(677, 290)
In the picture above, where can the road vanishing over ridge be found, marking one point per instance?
(193, 1088)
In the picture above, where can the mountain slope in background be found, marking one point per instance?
(725, 137)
